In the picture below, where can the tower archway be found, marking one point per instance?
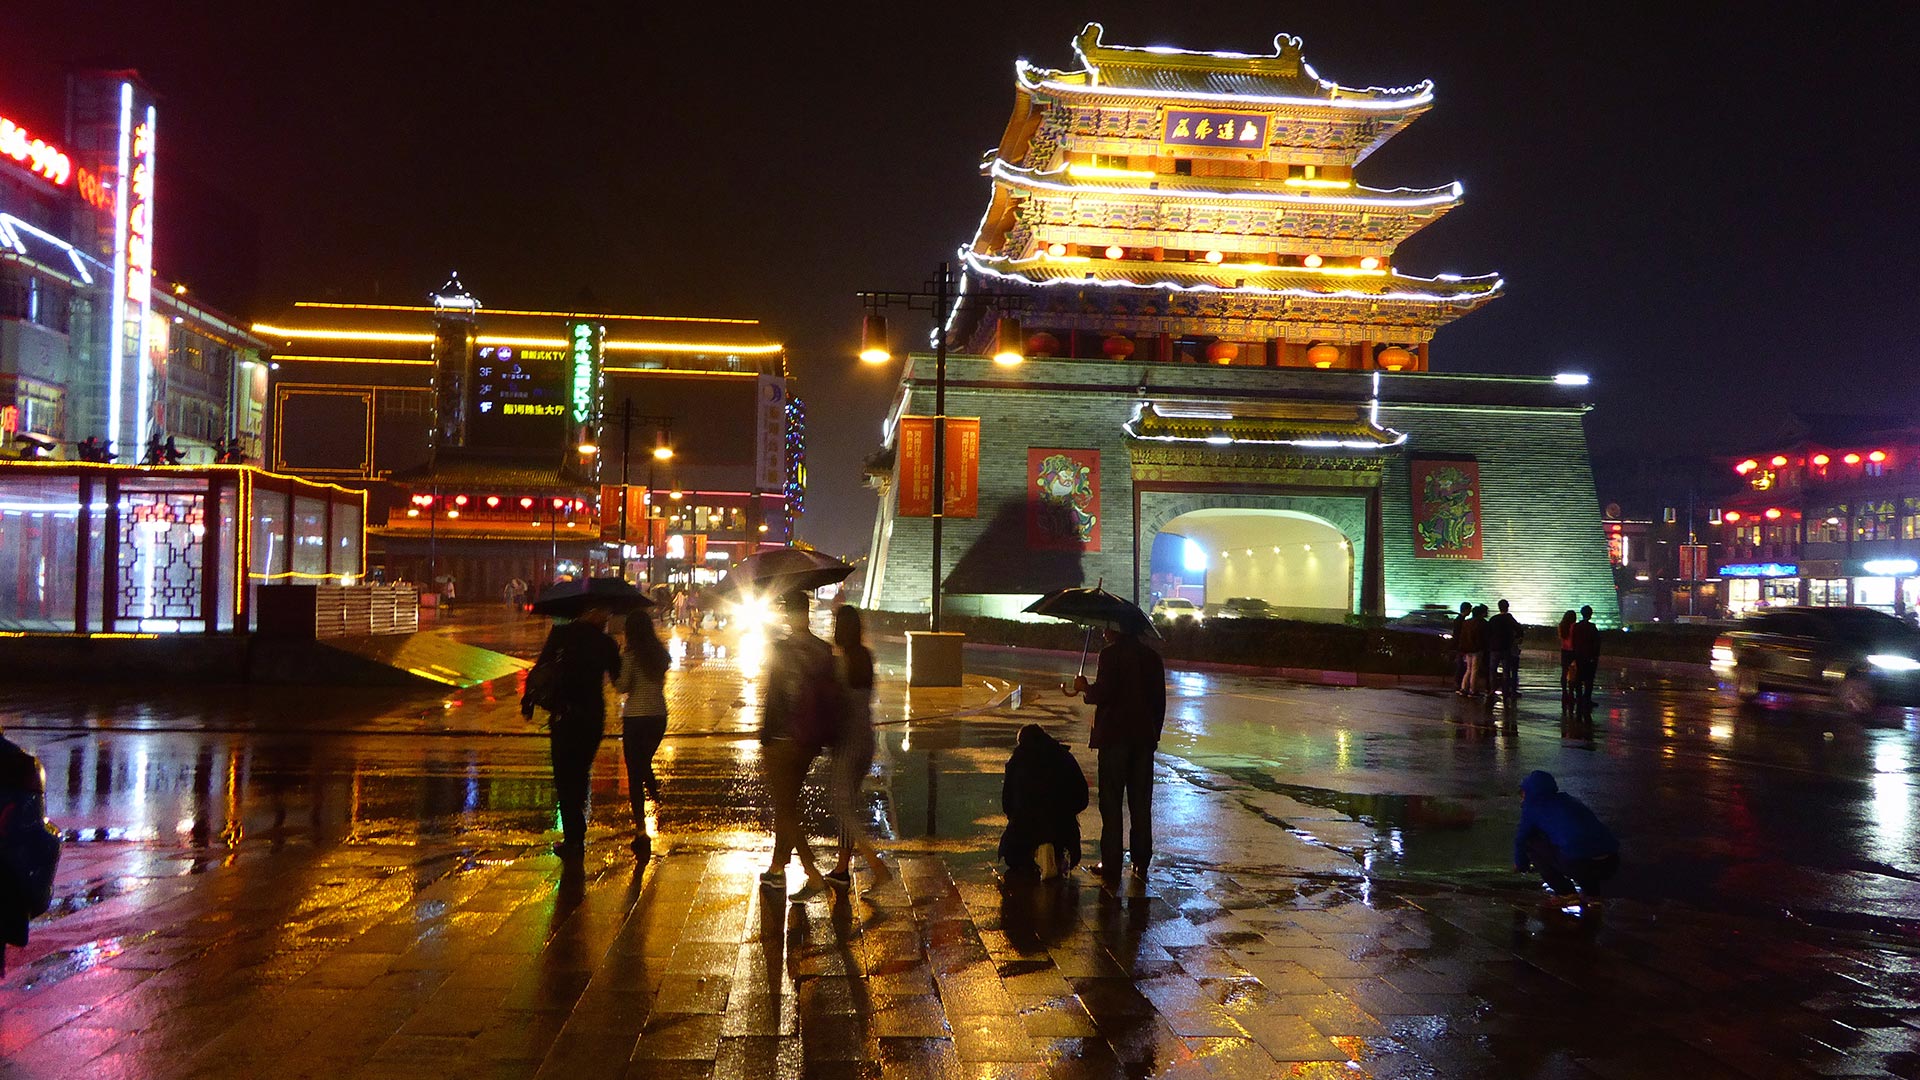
(1300, 564)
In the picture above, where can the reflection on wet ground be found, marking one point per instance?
(276, 883)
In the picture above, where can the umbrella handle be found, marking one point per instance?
(1085, 644)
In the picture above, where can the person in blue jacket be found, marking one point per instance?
(1561, 839)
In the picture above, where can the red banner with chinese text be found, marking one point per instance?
(1446, 507)
(962, 495)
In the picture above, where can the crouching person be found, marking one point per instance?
(1562, 840)
(1042, 796)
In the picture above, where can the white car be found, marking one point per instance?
(1174, 608)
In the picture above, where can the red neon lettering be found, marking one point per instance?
(37, 155)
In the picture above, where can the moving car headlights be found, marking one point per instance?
(1893, 662)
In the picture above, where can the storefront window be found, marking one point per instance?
(346, 541)
(1780, 592)
(1743, 594)
(1910, 519)
(1874, 592)
(270, 512)
(309, 536)
(1827, 592)
(1827, 525)
(1874, 521)
(39, 538)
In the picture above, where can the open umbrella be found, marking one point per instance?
(782, 570)
(572, 599)
(1093, 608)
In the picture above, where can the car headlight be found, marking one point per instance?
(1893, 662)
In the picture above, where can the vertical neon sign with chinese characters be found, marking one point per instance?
(132, 271)
(584, 340)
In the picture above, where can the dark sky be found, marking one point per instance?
(1710, 209)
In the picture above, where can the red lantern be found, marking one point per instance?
(1117, 347)
(1877, 456)
(1324, 355)
(1733, 517)
(459, 500)
(1821, 460)
(1043, 344)
(1851, 459)
(526, 502)
(1223, 352)
(1746, 466)
(493, 502)
(1395, 358)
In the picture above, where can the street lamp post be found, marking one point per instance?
(662, 451)
(939, 297)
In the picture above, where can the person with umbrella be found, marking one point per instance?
(1129, 698)
(799, 716)
(579, 658)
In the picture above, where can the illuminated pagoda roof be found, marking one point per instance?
(1303, 427)
(1157, 173)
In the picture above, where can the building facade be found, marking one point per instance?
(94, 342)
(511, 443)
(1227, 393)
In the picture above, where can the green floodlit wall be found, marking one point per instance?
(1544, 544)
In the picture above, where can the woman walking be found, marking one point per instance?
(1566, 654)
(853, 750)
(643, 718)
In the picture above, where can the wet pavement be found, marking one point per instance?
(285, 883)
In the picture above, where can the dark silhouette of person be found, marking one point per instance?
(1503, 648)
(1129, 699)
(1460, 651)
(1561, 839)
(586, 658)
(29, 852)
(1586, 656)
(1042, 796)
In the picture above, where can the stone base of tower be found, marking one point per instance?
(1305, 494)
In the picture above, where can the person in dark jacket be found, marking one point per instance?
(1586, 657)
(1561, 839)
(800, 714)
(1042, 796)
(1129, 699)
(586, 659)
(29, 853)
(1471, 637)
(1503, 646)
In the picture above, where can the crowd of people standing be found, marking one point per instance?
(1487, 650)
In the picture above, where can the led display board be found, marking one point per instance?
(521, 396)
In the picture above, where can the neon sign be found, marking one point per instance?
(584, 341)
(1891, 567)
(1760, 570)
(40, 157)
(9, 420)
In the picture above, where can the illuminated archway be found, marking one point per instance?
(1300, 564)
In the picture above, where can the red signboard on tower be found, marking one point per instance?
(962, 495)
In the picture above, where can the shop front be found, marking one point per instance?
(1752, 586)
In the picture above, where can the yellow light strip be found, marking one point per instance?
(353, 360)
(1318, 182)
(518, 311)
(343, 335)
(691, 347)
(680, 372)
(523, 342)
(1331, 271)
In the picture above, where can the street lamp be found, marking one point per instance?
(939, 297)
(662, 452)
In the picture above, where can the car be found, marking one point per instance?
(1427, 620)
(1246, 607)
(1176, 608)
(1860, 657)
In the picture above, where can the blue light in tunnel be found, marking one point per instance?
(1193, 556)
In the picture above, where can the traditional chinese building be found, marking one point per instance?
(1227, 392)
(503, 443)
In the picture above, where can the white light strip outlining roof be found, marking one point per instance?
(1496, 283)
(1037, 78)
(11, 227)
(1132, 430)
(1410, 198)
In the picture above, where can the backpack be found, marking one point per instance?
(815, 719)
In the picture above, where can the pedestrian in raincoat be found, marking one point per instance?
(853, 749)
(643, 717)
(1561, 839)
(584, 658)
(1042, 796)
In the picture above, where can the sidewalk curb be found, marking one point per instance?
(1320, 676)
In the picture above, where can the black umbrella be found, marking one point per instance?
(572, 599)
(1093, 608)
(772, 573)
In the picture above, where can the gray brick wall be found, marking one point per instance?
(1544, 546)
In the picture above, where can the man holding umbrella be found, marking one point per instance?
(578, 659)
(1129, 698)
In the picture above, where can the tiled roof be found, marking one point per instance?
(1321, 426)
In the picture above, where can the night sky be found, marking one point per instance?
(1710, 210)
